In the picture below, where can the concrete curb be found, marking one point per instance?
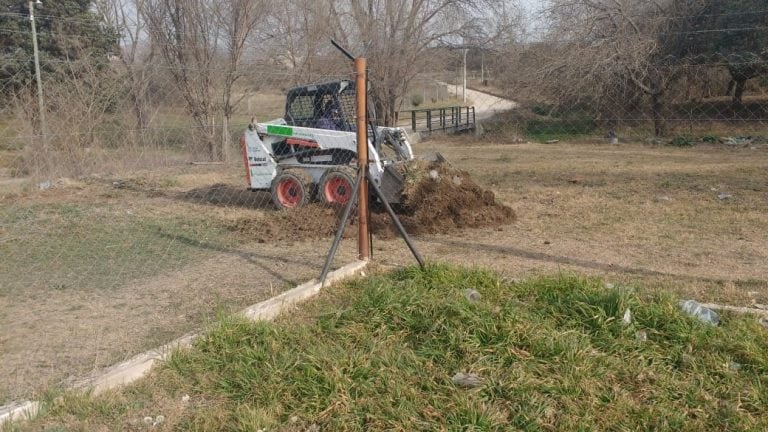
(18, 411)
(139, 365)
(736, 309)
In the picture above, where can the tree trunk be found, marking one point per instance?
(657, 113)
(739, 92)
(225, 139)
(210, 139)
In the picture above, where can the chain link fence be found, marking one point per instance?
(134, 215)
(672, 73)
(151, 200)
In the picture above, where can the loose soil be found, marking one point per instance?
(437, 198)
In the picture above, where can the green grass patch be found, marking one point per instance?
(379, 353)
(95, 247)
(543, 130)
(683, 141)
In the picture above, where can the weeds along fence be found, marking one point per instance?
(681, 116)
(677, 101)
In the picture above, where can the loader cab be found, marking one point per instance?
(328, 105)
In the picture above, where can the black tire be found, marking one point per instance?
(292, 188)
(336, 186)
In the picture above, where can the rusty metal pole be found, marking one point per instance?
(361, 89)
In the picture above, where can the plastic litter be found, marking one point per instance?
(472, 295)
(468, 380)
(627, 317)
(695, 309)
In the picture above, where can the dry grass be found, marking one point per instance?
(638, 215)
(117, 265)
(633, 212)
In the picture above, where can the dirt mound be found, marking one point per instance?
(437, 199)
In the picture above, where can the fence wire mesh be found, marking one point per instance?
(135, 213)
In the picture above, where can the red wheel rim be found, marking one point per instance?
(337, 190)
(289, 192)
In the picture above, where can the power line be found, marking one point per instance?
(74, 19)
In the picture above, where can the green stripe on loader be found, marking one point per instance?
(280, 130)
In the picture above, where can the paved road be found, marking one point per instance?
(485, 104)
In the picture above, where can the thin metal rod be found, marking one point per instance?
(395, 220)
(342, 227)
(40, 104)
(343, 51)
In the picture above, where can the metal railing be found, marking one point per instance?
(446, 120)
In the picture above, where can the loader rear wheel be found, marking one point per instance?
(336, 186)
(292, 188)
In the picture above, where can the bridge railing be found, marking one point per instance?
(446, 120)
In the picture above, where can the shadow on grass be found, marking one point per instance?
(263, 261)
(564, 260)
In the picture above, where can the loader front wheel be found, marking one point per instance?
(292, 188)
(336, 186)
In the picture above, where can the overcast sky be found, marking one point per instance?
(533, 7)
(532, 4)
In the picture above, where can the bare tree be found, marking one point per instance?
(397, 35)
(302, 31)
(598, 52)
(135, 55)
(204, 42)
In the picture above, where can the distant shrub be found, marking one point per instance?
(541, 109)
(417, 99)
(560, 127)
(682, 141)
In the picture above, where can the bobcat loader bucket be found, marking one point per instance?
(392, 182)
(393, 177)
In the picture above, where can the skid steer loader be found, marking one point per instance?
(311, 153)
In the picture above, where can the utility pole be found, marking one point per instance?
(40, 105)
(482, 67)
(464, 88)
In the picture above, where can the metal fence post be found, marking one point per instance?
(413, 120)
(429, 120)
(363, 240)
